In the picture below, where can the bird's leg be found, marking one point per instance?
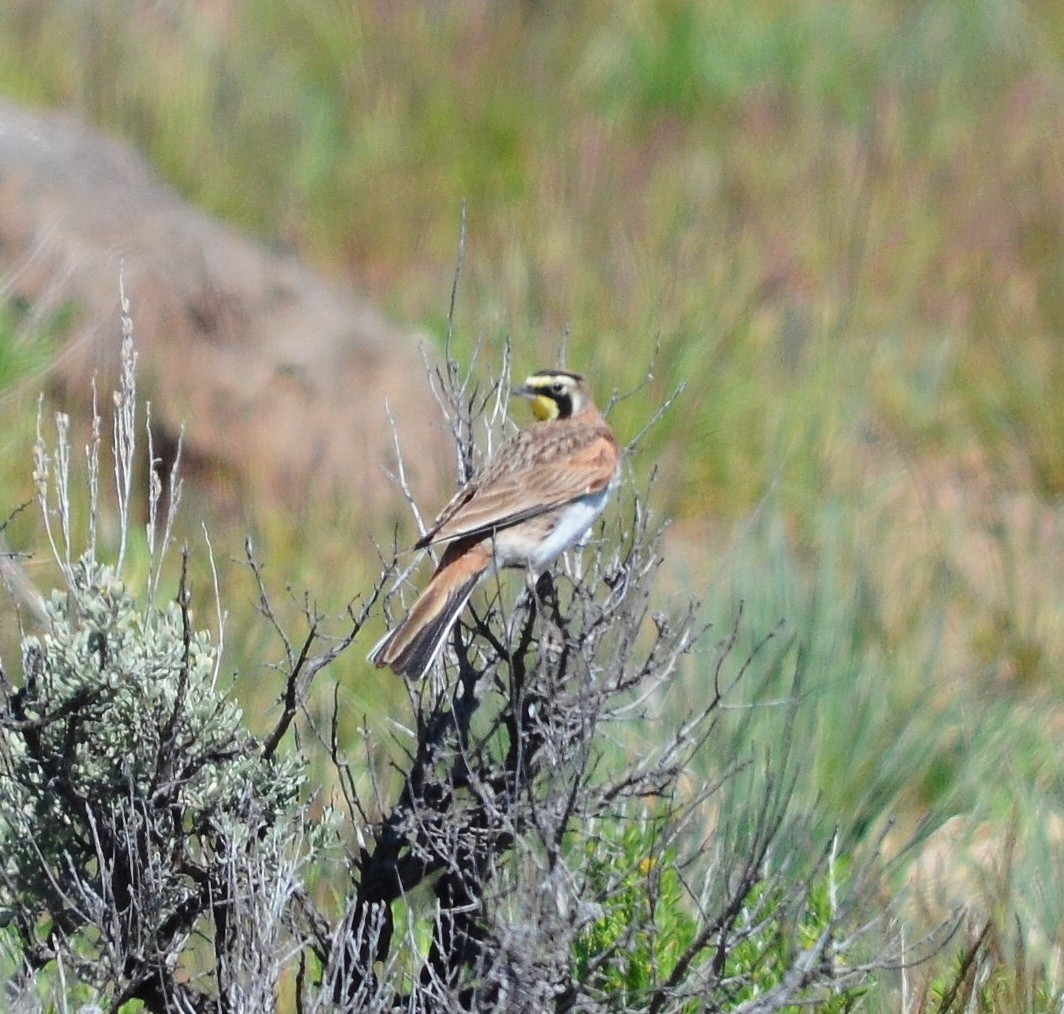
(544, 596)
(544, 590)
(539, 592)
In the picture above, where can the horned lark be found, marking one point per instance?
(535, 497)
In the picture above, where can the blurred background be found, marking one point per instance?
(840, 226)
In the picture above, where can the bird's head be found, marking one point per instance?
(555, 394)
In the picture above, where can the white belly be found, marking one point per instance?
(537, 554)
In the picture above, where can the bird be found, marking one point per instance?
(536, 496)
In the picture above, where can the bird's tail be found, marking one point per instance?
(410, 648)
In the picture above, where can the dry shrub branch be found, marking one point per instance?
(543, 845)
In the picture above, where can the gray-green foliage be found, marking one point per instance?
(138, 815)
(122, 739)
(144, 679)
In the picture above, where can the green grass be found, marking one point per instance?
(840, 225)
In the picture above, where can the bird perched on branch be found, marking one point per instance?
(536, 496)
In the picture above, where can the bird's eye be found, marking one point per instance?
(557, 389)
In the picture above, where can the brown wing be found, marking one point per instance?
(523, 481)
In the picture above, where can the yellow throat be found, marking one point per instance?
(544, 408)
